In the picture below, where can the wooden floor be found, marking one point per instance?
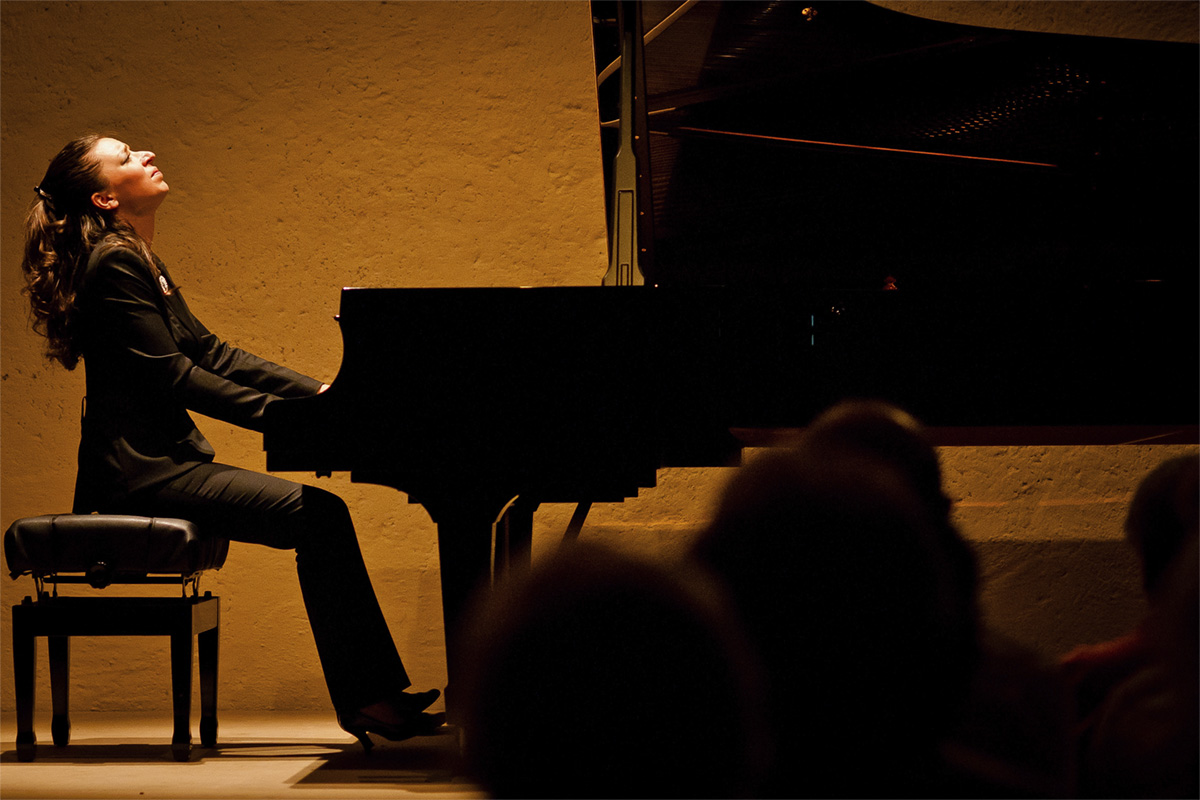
(122, 755)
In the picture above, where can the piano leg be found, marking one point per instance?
(514, 538)
(465, 551)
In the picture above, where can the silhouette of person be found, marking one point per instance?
(100, 294)
(1012, 730)
(1144, 739)
(1118, 683)
(838, 574)
(601, 675)
(887, 431)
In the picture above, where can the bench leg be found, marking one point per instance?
(209, 645)
(181, 692)
(60, 688)
(24, 680)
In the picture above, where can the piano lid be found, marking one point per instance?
(837, 145)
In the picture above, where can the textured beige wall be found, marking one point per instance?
(315, 145)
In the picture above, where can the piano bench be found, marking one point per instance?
(99, 550)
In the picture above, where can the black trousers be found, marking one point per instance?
(358, 656)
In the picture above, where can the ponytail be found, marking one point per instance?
(62, 228)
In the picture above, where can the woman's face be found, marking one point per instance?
(135, 185)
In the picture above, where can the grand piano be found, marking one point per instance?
(807, 201)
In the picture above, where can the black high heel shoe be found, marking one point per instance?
(360, 725)
(413, 721)
(414, 702)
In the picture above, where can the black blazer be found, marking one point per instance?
(148, 362)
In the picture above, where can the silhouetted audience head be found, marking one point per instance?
(1146, 738)
(890, 433)
(840, 576)
(1143, 735)
(604, 676)
(1164, 512)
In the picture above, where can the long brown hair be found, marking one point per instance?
(61, 230)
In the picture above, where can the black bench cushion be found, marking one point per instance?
(130, 546)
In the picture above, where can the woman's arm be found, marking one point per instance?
(246, 368)
(174, 354)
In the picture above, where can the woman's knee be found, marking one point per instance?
(324, 515)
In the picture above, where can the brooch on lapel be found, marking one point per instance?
(162, 281)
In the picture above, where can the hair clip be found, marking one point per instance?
(42, 193)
